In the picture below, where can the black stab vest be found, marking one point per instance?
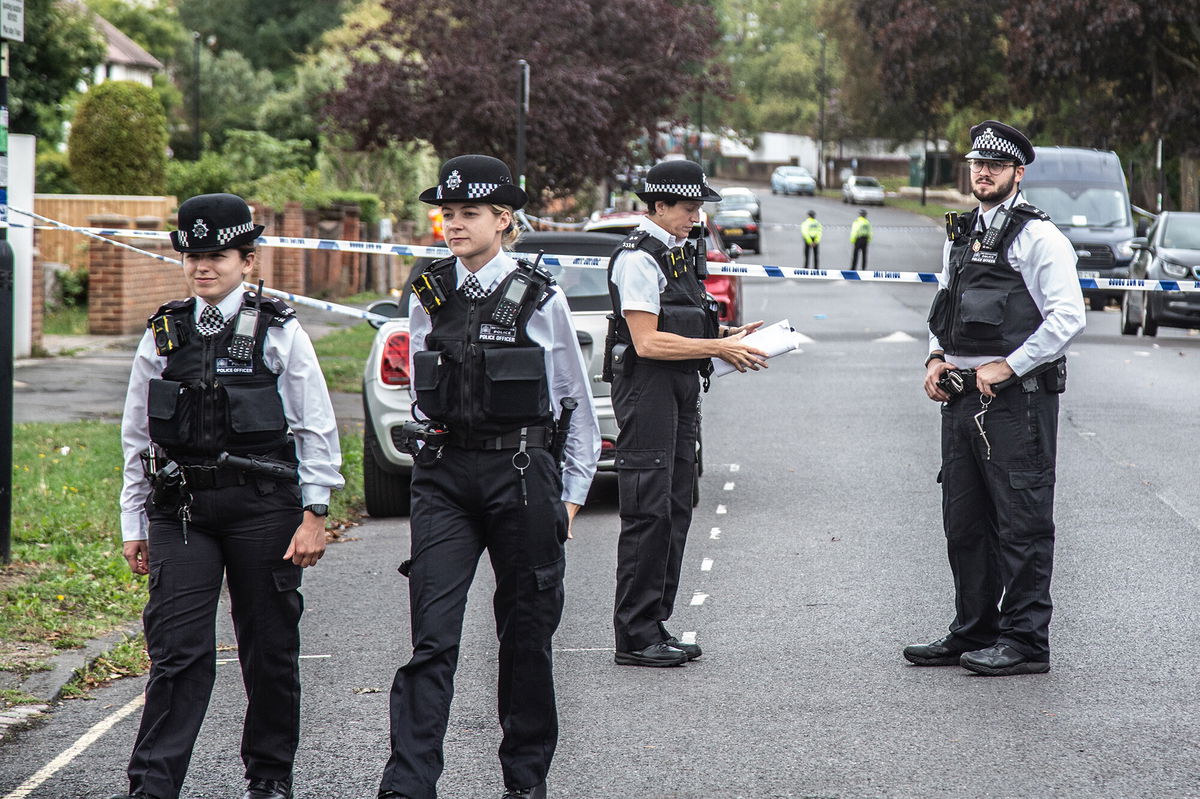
(986, 309)
(205, 402)
(685, 307)
(479, 377)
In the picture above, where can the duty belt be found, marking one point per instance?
(539, 437)
(201, 476)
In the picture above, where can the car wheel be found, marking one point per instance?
(1129, 325)
(386, 494)
(1097, 302)
(1149, 323)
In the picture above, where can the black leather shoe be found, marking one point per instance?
(1001, 660)
(131, 796)
(268, 789)
(942, 652)
(691, 650)
(391, 795)
(536, 792)
(659, 654)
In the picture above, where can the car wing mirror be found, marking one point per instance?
(735, 251)
(388, 307)
(1140, 243)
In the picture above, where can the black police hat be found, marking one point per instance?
(212, 222)
(995, 141)
(679, 179)
(475, 178)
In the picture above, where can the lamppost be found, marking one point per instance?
(821, 117)
(522, 111)
(196, 92)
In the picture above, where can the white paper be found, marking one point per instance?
(773, 339)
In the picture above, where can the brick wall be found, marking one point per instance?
(124, 288)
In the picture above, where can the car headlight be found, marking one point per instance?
(1172, 269)
(1124, 249)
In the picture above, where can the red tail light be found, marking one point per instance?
(751, 228)
(393, 365)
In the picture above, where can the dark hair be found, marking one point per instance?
(246, 250)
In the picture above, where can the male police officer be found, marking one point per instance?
(811, 229)
(224, 372)
(493, 352)
(1008, 308)
(664, 332)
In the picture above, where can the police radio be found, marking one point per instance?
(514, 296)
(242, 346)
(991, 239)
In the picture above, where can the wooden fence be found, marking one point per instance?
(74, 209)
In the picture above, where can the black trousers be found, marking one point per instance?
(239, 533)
(657, 409)
(815, 249)
(998, 513)
(463, 503)
(860, 246)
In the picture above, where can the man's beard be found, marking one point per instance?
(998, 192)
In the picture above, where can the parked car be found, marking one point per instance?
(387, 403)
(862, 190)
(793, 180)
(738, 227)
(726, 289)
(1084, 192)
(739, 198)
(1170, 250)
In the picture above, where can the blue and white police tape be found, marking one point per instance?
(295, 299)
(601, 262)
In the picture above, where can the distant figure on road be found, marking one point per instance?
(860, 237)
(223, 372)
(1008, 307)
(810, 229)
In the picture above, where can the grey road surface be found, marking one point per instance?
(816, 553)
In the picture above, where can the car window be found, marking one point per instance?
(1080, 205)
(734, 218)
(1181, 233)
(872, 182)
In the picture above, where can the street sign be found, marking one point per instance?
(12, 20)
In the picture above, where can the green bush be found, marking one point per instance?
(118, 142)
(285, 186)
(369, 205)
(73, 288)
(54, 174)
(252, 154)
(209, 175)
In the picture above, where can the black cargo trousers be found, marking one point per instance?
(239, 533)
(998, 513)
(657, 410)
(464, 502)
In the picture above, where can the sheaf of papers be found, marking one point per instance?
(773, 339)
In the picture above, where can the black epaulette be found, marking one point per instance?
(1032, 211)
(280, 311)
(170, 307)
(642, 240)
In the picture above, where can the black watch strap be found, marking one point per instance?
(934, 356)
(317, 510)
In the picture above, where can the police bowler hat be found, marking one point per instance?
(995, 141)
(212, 222)
(677, 180)
(475, 178)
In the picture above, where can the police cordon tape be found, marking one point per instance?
(577, 261)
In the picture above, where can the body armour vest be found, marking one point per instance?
(986, 309)
(479, 376)
(685, 308)
(206, 401)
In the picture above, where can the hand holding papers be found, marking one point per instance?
(774, 340)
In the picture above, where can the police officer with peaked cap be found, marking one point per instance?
(1008, 308)
(493, 354)
(224, 371)
(664, 331)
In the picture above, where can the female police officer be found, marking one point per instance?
(494, 350)
(223, 372)
(665, 333)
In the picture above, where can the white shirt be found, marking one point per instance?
(552, 328)
(1046, 260)
(637, 276)
(289, 353)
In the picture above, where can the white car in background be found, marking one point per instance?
(793, 180)
(862, 190)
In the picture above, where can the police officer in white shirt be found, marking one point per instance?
(1007, 310)
(223, 373)
(494, 353)
(664, 331)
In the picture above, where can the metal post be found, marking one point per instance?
(522, 111)
(196, 93)
(7, 278)
(1158, 165)
(700, 134)
(821, 118)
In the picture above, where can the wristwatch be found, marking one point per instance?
(317, 510)
(935, 356)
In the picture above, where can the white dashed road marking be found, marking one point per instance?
(715, 534)
(706, 565)
(729, 486)
(688, 637)
(698, 598)
(721, 510)
(733, 467)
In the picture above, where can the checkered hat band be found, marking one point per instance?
(990, 141)
(477, 190)
(182, 238)
(226, 234)
(682, 189)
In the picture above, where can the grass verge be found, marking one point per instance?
(343, 354)
(126, 659)
(66, 321)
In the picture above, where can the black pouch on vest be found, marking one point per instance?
(515, 386)
(939, 314)
(169, 412)
(434, 379)
(982, 313)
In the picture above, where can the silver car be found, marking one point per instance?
(862, 190)
(388, 404)
(793, 180)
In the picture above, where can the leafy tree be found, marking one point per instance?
(603, 75)
(231, 90)
(118, 142)
(209, 174)
(60, 50)
(270, 33)
(154, 24)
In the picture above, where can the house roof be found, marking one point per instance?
(121, 49)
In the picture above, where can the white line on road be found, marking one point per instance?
(733, 467)
(721, 509)
(226, 661)
(688, 637)
(587, 649)
(715, 534)
(895, 338)
(698, 598)
(706, 565)
(729, 486)
(87, 739)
